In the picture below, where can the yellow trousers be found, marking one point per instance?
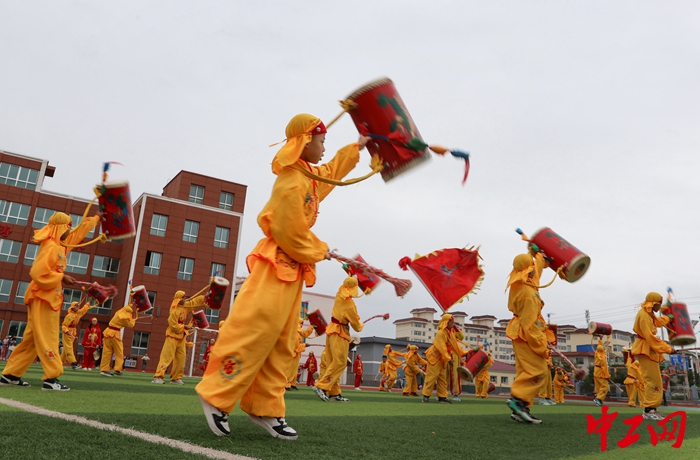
(68, 356)
(558, 394)
(293, 371)
(602, 386)
(631, 394)
(250, 360)
(337, 349)
(174, 351)
(546, 389)
(393, 374)
(482, 388)
(40, 339)
(653, 385)
(112, 346)
(530, 372)
(411, 384)
(435, 374)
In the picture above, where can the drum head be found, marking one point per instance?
(135, 289)
(576, 268)
(465, 374)
(592, 326)
(220, 280)
(369, 86)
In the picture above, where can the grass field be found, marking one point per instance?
(372, 426)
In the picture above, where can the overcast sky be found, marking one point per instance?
(580, 116)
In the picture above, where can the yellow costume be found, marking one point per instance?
(438, 356)
(649, 349)
(527, 332)
(601, 374)
(560, 381)
(301, 346)
(112, 340)
(546, 388)
(634, 382)
(70, 333)
(413, 367)
(393, 364)
(384, 373)
(482, 380)
(344, 315)
(175, 347)
(453, 379)
(251, 357)
(44, 297)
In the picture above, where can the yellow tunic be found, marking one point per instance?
(70, 333)
(301, 346)
(175, 348)
(650, 350)
(112, 343)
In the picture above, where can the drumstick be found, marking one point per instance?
(578, 373)
(400, 285)
(385, 316)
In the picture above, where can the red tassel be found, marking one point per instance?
(404, 263)
(466, 170)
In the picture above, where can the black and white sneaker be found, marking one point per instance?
(106, 374)
(276, 426)
(519, 408)
(517, 418)
(320, 393)
(54, 384)
(534, 420)
(444, 401)
(598, 402)
(11, 380)
(339, 398)
(426, 399)
(217, 420)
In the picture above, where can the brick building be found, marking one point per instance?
(183, 237)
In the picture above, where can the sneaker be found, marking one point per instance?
(534, 420)
(106, 374)
(11, 380)
(517, 418)
(426, 399)
(339, 398)
(217, 420)
(414, 394)
(552, 402)
(456, 399)
(405, 394)
(519, 408)
(117, 372)
(653, 415)
(54, 384)
(321, 394)
(157, 380)
(293, 387)
(598, 402)
(358, 389)
(177, 382)
(276, 426)
(444, 401)
(74, 366)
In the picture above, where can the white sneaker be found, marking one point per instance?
(543, 402)
(176, 382)
(653, 415)
(217, 420)
(54, 384)
(456, 399)
(106, 374)
(321, 394)
(339, 398)
(551, 402)
(276, 426)
(358, 389)
(157, 380)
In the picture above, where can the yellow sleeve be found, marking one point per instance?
(42, 272)
(77, 235)
(173, 322)
(193, 302)
(342, 163)
(353, 318)
(307, 332)
(84, 310)
(647, 329)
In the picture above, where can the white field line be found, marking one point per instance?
(184, 446)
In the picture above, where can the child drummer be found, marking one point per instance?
(249, 360)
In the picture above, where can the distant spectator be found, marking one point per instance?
(144, 362)
(11, 348)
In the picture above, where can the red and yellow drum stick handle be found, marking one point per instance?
(347, 105)
(400, 285)
(385, 316)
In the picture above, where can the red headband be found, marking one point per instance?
(319, 129)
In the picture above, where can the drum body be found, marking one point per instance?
(97, 292)
(599, 328)
(381, 113)
(553, 328)
(217, 291)
(366, 282)
(318, 322)
(139, 297)
(199, 318)
(492, 387)
(625, 354)
(117, 213)
(574, 263)
(680, 329)
(475, 363)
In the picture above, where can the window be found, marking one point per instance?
(70, 296)
(153, 259)
(30, 253)
(221, 237)
(21, 290)
(17, 330)
(226, 201)
(104, 309)
(76, 220)
(218, 269)
(5, 290)
(492, 378)
(416, 333)
(77, 262)
(152, 299)
(158, 224)
(41, 217)
(212, 316)
(191, 231)
(186, 269)
(19, 176)
(139, 344)
(9, 251)
(196, 194)
(504, 380)
(303, 312)
(14, 213)
(105, 267)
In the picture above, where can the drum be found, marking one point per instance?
(199, 318)
(562, 254)
(492, 387)
(98, 292)
(367, 282)
(680, 329)
(625, 354)
(473, 365)
(96, 354)
(553, 328)
(599, 328)
(318, 322)
(380, 113)
(217, 291)
(117, 213)
(139, 297)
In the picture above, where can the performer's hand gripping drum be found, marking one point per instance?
(378, 111)
(139, 297)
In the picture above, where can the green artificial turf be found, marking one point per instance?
(373, 425)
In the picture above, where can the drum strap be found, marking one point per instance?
(376, 166)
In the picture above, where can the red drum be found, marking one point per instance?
(98, 292)
(381, 114)
(553, 328)
(473, 365)
(625, 354)
(492, 387)
(199, 318)
(117, 213)
(217, 291)
(367, 282)
(139, 297)
(599, 328)
(563, 254)
(318, 322)
(680, 329)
